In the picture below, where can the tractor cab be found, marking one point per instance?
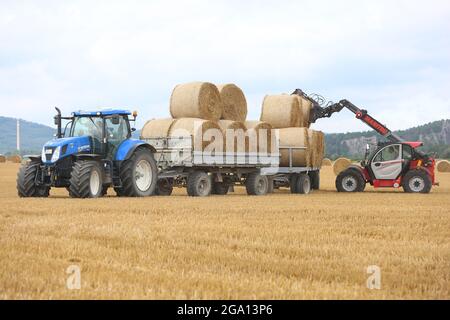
(95, 151)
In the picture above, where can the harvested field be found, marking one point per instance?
(280, 246)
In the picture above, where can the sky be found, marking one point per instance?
(389, 57)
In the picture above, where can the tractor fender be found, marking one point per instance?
(33, 157)
(361, 171)
(128, 147)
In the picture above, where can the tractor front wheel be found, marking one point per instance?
(417, 181)
(86, 180)
(26, 182)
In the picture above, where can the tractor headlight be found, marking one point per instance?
(43, 157)
(56, 154)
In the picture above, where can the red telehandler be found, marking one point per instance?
(395, 163)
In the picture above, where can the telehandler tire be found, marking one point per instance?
(350, 180)
(417, 181)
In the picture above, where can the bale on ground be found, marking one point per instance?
(340, 165)
(295, 138)
(326, 162)
(234, 103)
(157, 128)
(204, 133)
(234, 133)
(15, 159)
(317, 145)
(281, 111)
(443, 166)
(259, 135)
(2, 159)
(196, 100)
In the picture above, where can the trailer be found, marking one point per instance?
(204, 173)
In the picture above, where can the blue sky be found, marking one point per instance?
(391, 57)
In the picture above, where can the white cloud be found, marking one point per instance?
(390, 56)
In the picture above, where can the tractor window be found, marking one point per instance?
(407, 152)
(87, 126)
(117, 130)
(389, 153)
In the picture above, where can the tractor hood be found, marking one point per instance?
(57, 149)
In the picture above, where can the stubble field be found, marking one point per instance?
(280, 246)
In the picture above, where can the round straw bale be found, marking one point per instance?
(326, 162)
(259, 136)
(196, 100)
(233, 102)
(317, 145)
(340, 165)
(204, 133)
(234, 133)
(305, 111)
(2, 159)
(295, 138)
(443, 166)
(15, 159)
(281, 111)
(157, 128)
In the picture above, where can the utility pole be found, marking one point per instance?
(18, 135)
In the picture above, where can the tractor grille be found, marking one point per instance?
(49, 153)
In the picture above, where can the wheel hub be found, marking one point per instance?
(417, 184)
(349, 183)
(143, 175)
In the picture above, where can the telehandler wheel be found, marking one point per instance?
(350, 180)
(417, 181)
(86, 180)
(26, 182)
(139, 175)
(164, 187)
(199, 184)
(315, 179)
(220, 188)
(303, 184)
(256, 184)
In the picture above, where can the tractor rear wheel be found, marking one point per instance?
(86, 180)
(199, 184)
(139, 175)
(350, 181)
(417, 181)
(26, 182)
(164, 187)
(256, 184)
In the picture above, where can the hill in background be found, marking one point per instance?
(435, 135)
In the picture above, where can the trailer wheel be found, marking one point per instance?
(293, 182)
(417, 181)
(26, 185)
(303, 184)
(220, 188)
(199, 184)
(315, 179)
(271, 185)
(256, 184)
(350, 181)
(139, 175)
(86, 180)
(164, 187)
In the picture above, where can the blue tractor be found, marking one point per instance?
(97, 152)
